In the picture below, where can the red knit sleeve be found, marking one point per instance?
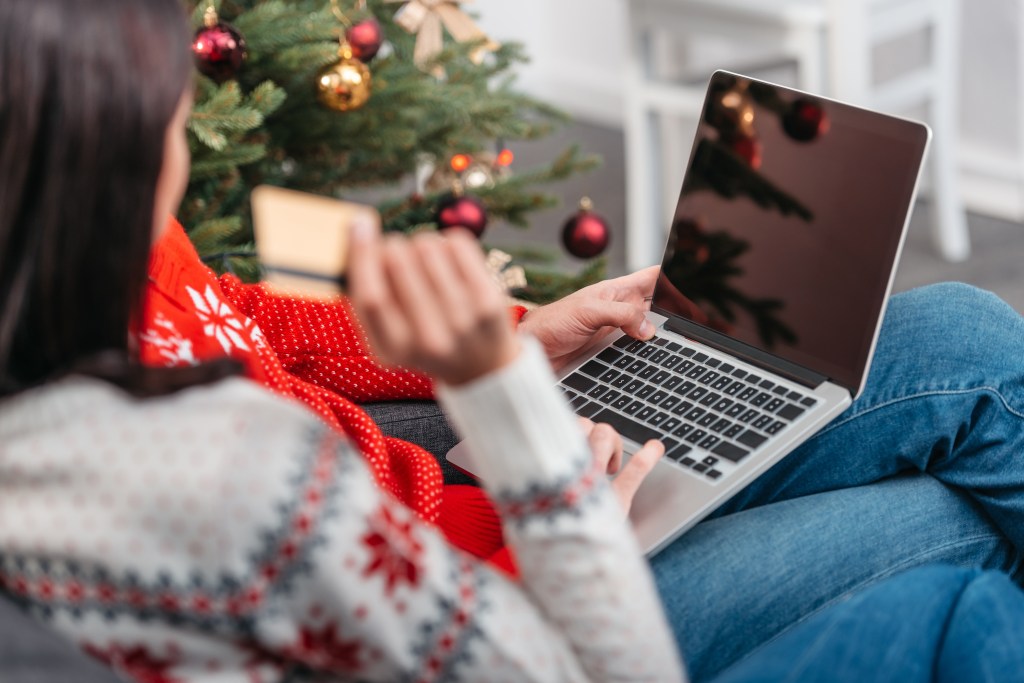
(322, 342)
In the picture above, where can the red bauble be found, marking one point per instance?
(586, 234)
(748, 148)
(365, 38)
(219, 51)
(465, 211)
(806, 120)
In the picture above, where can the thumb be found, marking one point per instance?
(630, 318)
(633, 473)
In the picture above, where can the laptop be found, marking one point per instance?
(775, 277)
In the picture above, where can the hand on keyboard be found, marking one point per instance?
(606, 445)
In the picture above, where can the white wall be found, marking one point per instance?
(578, 50)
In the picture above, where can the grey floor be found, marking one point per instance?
(27, 655)
(996, 263)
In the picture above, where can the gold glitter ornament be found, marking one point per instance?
(346, 85)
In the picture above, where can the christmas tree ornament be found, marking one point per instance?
(428, 19)
(731, 113)
(505, 157)
(748, 148)
(806, 120)
(365, 37)
(459, 210)
(346, 85)
(218, 48)
(586, 234)
(510, 278)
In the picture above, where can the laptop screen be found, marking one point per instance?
(788, 224)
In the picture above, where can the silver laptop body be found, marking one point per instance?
(774, 282)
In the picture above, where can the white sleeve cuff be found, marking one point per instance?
(516, 423)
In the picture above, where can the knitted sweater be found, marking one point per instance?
(313, 351)
(225, 534)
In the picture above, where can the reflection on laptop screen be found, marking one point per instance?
(789, 218)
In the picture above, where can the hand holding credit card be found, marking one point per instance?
(302, 239)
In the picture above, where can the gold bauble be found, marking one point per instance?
(346, 85)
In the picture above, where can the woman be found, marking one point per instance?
(186, 529)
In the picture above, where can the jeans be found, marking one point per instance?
(936, 624)
(927, 465)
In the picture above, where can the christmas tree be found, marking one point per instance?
(295, 93)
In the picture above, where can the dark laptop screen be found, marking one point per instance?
(788, 222)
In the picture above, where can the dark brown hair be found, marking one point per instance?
(87, 90)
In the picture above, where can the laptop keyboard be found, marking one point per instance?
(708, 413)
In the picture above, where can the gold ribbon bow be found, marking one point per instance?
(426, 18)
(509, 278)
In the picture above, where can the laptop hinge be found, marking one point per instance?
(746, 353)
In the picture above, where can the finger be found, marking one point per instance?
(370, 292)
(586, 425)
(453, 296)
(636, 470)
(416, 298)
(606, 445)
(471, 269)
(637, 286)
(630, 318)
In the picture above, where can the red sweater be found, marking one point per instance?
(316, 352)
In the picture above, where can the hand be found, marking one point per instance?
(575, 324)
(429, 303)
(606, 445)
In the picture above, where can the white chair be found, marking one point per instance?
(831, 44)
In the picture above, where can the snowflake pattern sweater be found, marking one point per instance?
(224, 534)
(314, 351)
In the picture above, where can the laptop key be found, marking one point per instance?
(709, 377)
(633, 408)
(629, 429)
(636, 366)
(709, 442)
(579, 382)
(721, 425)
(674, 347)
(658, 396)
(624, 362)
(657, 419)
(780, 390)
(623, 341)
(683, 430)
(636, 346)
(648, 351)
(689, 462)
(697, 393)
(773, 405)
(712, 474)
(760, 399)
(732, 431)
(659, 355)
(775, 427)
(622, 401)
(707, 420)
(710, 399)
(671, 423)
(721, 383)
(678, 451)
(808, 401)
(700, 467)
(749, 415)
(682, 408)
(734, 388)
(747, 393)
(660, 341)
(735, 410)
(790, 412)
(593, 368)
(696, 435)
(644, 391)
(695, 414)
(713, 362)
(621, 381)
(634, 386)
(609, 376)
(578, 401)
(751, 438)
(660, 377)
(726, 369)
(609, 355)
(687, 351)
(672, 382)
(686, 365)
(645, 413)
(671, 362)
(730, 451)
(610, 397)
(685, 388)
(696, 371)
(723, 404)
(589, 409)
(647, 372)
(700, 357)
(669, 403)
(597, 391)
(766, 384)
(762, 422)
(710, 461)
